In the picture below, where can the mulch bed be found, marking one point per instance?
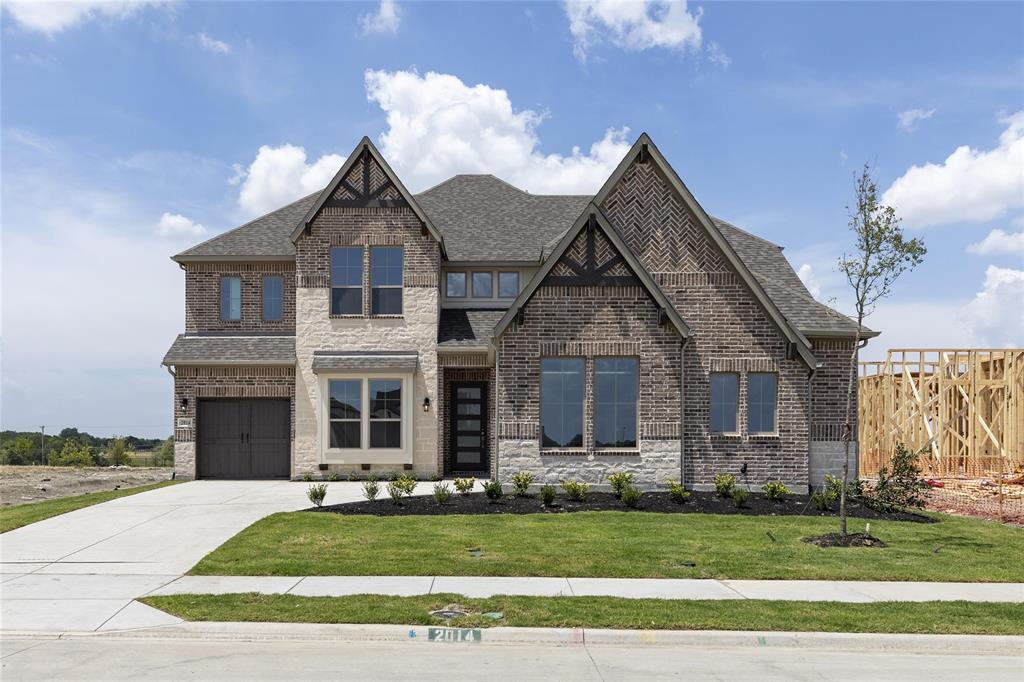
(848, 540)
(699, 503)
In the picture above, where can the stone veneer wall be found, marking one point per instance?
(414, 330)
(731, 332)
(202, 296)
(193, 382)
(589, 322)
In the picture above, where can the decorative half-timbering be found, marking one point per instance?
(591, 260)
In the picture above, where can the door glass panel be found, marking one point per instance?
(470, 392)
(468, 408)
(469, 457)
(468, 425)
(469, 441)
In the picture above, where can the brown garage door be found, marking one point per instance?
(243, 438)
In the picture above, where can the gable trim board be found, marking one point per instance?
(645, 151)
(365, 146)
(592, 212)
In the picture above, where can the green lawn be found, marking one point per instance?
(616, 544)
(605, 612)
(24, 514)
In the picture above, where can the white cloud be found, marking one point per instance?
(439, 126)
(995, 317)
(909, 119)
(280, 175)
(806, 275)
(716, 55)
(971, 185)
(213, 45)
(632, 24)
(998, 241)
(173, 225)
(385, 20)
(54, 17)
(30, 139)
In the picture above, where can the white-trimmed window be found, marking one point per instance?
(367, 418)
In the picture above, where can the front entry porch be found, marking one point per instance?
(466, 421)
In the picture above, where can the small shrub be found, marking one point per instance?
(630, 496)
(899, 483)
(677, 493)
(396, 491)
(333, 476)
(774, 490)
(724, 483)
(465, 485)
(522, 482)
(740, 496)
(442, 493)
(407, 484)
(307, 477)
(371, 488)
(353, 476)
(822, 499)
(547, 494)
(619, 480)
(575, 490)
(493, 490)
(316, 493)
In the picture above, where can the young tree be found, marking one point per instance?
(880, 256)
(119, 453)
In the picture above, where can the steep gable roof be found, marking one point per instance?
(365, 152)
(645, 150)
(593, 216)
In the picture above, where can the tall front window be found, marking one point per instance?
(615, 395)
(385, 413)
(762, 394)
(347, 280)
(725, 399)
(561, 402)
(386, 280)
(231, 298)
(273, 298)
(346, 413)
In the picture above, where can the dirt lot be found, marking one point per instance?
(21, 484)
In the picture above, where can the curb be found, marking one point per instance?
(998, 645)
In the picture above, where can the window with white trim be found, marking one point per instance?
(367, 417)
(346, 414)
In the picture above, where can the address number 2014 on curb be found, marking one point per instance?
(453, 635)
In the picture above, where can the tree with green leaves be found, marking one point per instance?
(881, 254)
(165, 453)
(119, 452)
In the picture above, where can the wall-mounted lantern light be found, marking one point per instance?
(426, 404)
(184, 403)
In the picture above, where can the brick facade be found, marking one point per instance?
(828, 389)
(202, 297)
(731, 332)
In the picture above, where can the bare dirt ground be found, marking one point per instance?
(22, 484)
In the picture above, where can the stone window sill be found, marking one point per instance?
(617, 453)
(726, 436)
(562, 452)
(346, 317)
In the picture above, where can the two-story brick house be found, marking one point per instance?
(477, 329)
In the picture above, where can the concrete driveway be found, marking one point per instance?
(81, 570)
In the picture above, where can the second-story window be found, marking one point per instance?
(273, 298)
(455, 284)
(386, 280)
(347, 280)
(231, 299)
(508, 284)
(483, 285)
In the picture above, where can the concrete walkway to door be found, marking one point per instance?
(81, 570)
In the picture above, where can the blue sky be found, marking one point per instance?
(130, 131)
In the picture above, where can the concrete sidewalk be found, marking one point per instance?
(630, 588)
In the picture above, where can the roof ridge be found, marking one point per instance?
(746, 232)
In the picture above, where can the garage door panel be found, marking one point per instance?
(244, 438)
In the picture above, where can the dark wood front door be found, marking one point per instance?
(468, 440)
(243, 438)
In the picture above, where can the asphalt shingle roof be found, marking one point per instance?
(194, 349)
(483, 218)
(465, 328)
(328, 361)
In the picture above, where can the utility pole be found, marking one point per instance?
(42, 445)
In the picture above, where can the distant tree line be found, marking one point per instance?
(72, 447)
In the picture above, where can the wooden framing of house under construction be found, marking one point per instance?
(963, 408)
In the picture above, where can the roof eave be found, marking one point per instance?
(185, 258)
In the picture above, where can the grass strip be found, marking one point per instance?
(617, 545)
(24, 514)
(606, 612)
